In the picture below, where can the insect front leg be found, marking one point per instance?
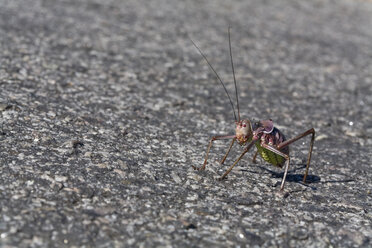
(241, 155)
(227, 153)
(288, 142)
(209, 147)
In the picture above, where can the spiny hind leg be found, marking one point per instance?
(285, 156)
(209, 148)
(290, 141)
(227, 153)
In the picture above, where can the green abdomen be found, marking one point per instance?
(270, 156)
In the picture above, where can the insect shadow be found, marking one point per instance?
(291, 177)
(297, 178)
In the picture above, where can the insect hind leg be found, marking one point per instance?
(290, 141)
(285, 156)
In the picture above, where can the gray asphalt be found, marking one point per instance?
(105, 106)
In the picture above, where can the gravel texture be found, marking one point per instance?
(106, 105)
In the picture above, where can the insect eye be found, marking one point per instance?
(244, 125)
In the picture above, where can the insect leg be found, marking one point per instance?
(254, 157)
(241, 155)
(209, 147)
(287, 158)
(227, 153)
(286, 143)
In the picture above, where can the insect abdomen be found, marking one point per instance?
(270, 156)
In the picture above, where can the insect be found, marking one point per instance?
(270, 142)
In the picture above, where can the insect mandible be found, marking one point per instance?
(270, 142)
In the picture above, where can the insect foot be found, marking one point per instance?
(198, 168)
(281, 194)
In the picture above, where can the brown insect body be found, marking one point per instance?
(266, 134)
(270, 142)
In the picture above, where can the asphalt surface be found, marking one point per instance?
(105, 106)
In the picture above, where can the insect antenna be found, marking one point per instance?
(233, 71)
(218, 77)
